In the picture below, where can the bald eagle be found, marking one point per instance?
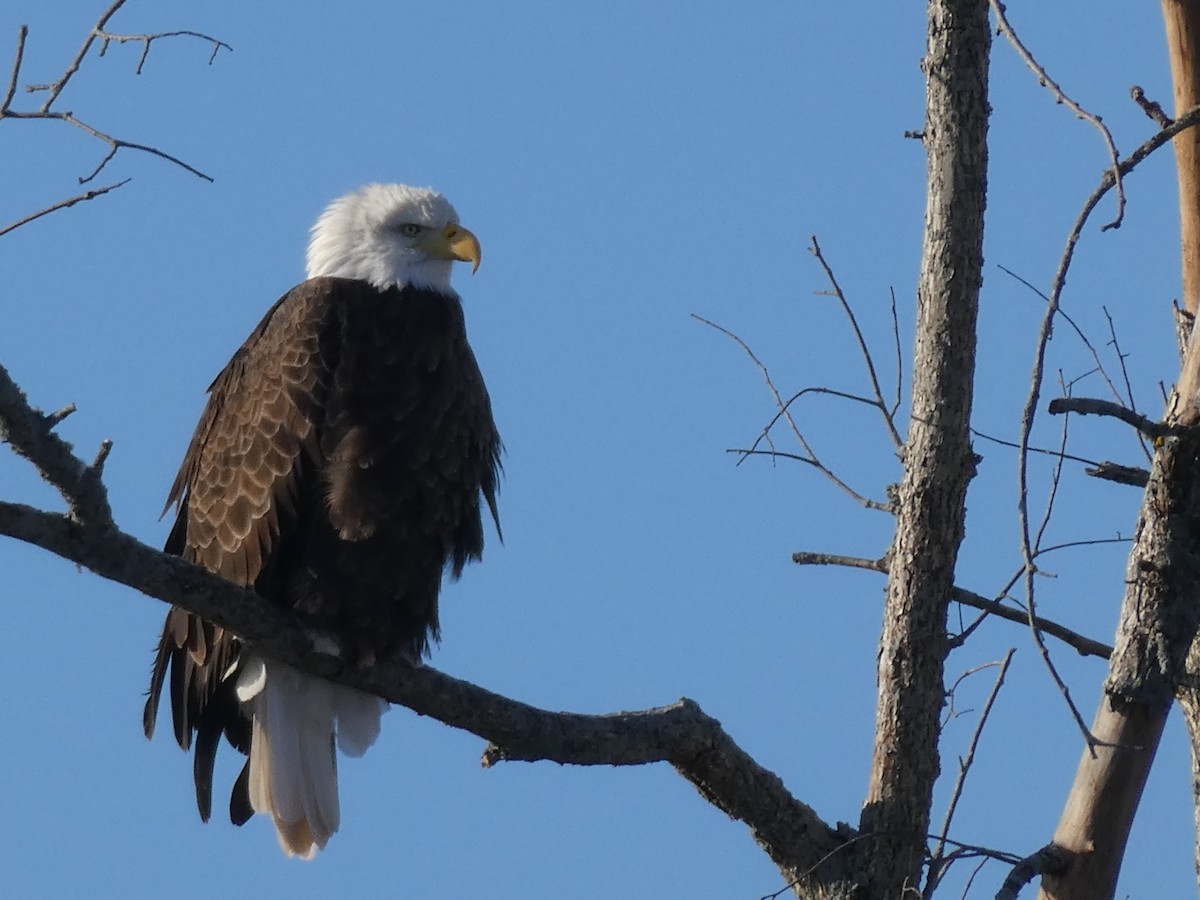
(337, 470)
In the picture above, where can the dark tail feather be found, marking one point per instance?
(157, 675)
(204, 759)
(240, 809)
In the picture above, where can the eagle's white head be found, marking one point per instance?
(391, 235)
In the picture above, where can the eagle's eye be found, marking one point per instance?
(408, 229)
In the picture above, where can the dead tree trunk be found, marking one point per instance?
(938, 460)
(1182, 20)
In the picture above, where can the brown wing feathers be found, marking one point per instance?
(237, 491)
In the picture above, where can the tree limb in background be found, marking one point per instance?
(791, 833)
(1084, 645)
(1185, 121)
(1160, 614)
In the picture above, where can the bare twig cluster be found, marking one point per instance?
(783, 408)
(52, 91)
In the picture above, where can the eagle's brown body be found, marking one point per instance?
(338, 470)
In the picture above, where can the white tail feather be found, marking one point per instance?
(293, 763)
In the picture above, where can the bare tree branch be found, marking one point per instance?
(1079, 332)
(55, 88)
(695, 744)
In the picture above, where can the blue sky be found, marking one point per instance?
(624, 165)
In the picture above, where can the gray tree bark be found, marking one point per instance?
(938, 460)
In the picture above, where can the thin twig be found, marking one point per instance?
(1085, 646)
(1079, 332)
(1055, 478)
(1015, 446)
(62, 204)
(1103, 469)
(114, 144)
(774, 454)
(899, 357)
(1116, 345)
(782, 409)
(936, 870)
(815, 250)
(1005, 28)
(22, 33)
(966, 891)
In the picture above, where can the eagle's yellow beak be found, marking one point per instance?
(455, 242)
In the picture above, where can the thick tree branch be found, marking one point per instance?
(801, 844)
(1090, 406)
(1050, 860)
(30, 433)
(1121, 474)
